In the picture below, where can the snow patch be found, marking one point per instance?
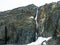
(40, 40)
(31, 17)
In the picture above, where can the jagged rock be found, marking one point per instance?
(19, 24)
(48, 19)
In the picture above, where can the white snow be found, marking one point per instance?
(39, 41)
(31, 17)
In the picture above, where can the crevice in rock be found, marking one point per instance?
(36, 24)
(6, 35)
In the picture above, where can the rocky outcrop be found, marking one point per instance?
(18, 26)
(48, 19)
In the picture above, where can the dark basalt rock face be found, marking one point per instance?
(18, 26)
(49, 17)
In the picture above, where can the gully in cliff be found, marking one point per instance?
(36, 23)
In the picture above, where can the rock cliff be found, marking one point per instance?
(18, 26)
